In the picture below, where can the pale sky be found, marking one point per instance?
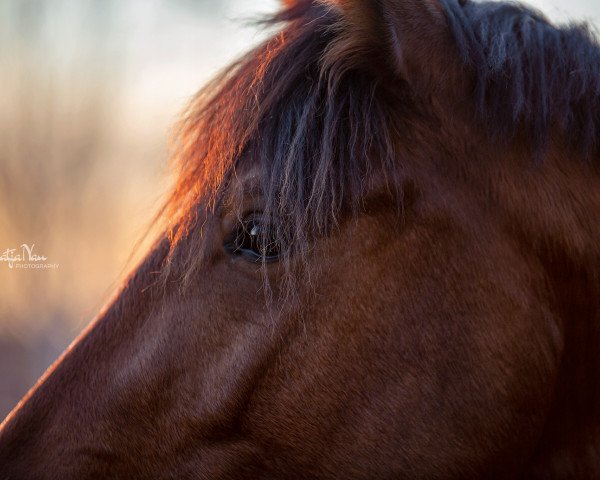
(561, 10)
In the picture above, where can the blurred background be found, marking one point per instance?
(88, 92)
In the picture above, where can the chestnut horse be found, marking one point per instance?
(383, 261)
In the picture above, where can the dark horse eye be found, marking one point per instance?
(254, 239)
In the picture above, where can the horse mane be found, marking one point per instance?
(530, 74)
(310, 125)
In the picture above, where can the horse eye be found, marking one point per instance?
(254, 239)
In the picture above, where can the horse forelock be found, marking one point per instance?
(311, 129)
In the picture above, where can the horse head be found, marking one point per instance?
(382, 261)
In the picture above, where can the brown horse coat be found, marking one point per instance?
(383, 262)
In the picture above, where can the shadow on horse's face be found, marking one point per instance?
(438, 326)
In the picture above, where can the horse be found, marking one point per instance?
(381, 259)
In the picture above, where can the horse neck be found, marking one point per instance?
(571, 439)
(554, 210)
